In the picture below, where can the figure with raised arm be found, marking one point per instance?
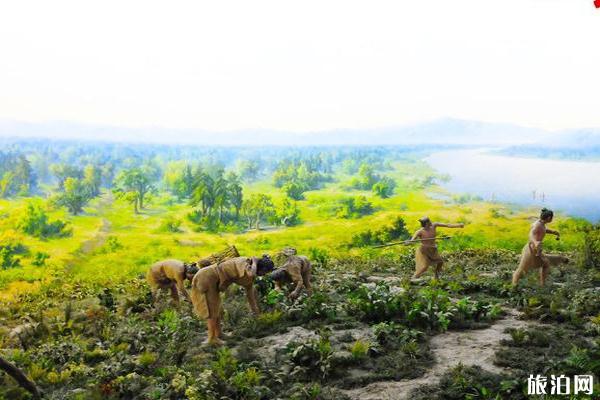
(427, 254)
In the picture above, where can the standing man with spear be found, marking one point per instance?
(427, 254)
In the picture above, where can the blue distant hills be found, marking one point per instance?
(445, 131)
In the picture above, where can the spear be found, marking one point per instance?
(407, 242)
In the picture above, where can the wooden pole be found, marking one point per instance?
(407, 242)
(20, 377)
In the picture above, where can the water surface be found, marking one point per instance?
(564, 185)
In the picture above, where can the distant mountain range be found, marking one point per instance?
(443, 131)
(583, 144)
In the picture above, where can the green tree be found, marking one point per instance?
(249, 169)
(92, 179)
(257, 209)
(6, 183)
(294, 190)
(203, 193)
(384, 188)
(366, 177)
(16, 175)
(221, 194)
(236, 196)
(288, 213)
(63, 171)
(134, 185)
(74, 196)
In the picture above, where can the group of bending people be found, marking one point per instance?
(208, 281)
(209, 277)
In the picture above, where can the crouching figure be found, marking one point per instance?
(170, 275)
(210, 281)
(296, 270)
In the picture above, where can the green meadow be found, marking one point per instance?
(77, 318)
(138, 241)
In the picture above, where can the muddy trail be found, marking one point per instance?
(470, 347)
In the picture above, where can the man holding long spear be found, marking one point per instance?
(427, 254)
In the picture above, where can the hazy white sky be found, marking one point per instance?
(302, 65)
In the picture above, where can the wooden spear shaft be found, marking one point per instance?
(407, 242)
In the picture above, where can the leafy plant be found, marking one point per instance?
(314, 355)
(376, 303)
(169, 320)
(34, 221)
(171, 225)
(360, 349)
(39, 258)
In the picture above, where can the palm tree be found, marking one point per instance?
(236, 197)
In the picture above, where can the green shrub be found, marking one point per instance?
(314, 355)
(320, 257)
(376, 303)
(397, 230)
(384, 188)
(147, 358)
(353, 207)
(393, 334)
(112, 245)
(34, 221)
(431, 309)
(318, 306)
(169, 320)
(7, 259)
(592, 248)
(360, 349)
(171, 225)
(39, 258)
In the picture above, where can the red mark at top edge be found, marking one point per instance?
(597, 3)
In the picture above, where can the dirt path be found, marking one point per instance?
(99, 239)
(473, 347)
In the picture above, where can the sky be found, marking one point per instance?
(302, 65)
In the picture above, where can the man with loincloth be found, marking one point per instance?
(170, 274)
(532, 256)
(210, 281)
(427, 254)
(296, 270)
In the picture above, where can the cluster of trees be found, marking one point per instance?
(296, 176)
(216, 195)
(368, 179)
(249, 170)
(219, 202)
(77, 186)
(259, 208)
(395, 231)
(352, 207)
(76, 172)
(16, 175)
(34, 221)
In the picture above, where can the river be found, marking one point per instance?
(567, 186)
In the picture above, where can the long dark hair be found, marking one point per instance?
(546, 213)
(265, 265)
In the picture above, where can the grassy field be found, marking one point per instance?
(88, 300)
(137, 240)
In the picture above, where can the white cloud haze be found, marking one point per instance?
(297, 66)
